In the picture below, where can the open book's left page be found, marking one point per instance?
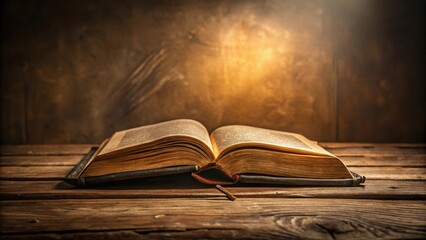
(182, 128)
(173, 143)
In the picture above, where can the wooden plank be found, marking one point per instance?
(59, 149)
(201, 233)
(34, 172)
(106, 235)
(58, 172)
(377, 150)
(77, 235)
(384, 160)
(373, 189)
(330, 145)
(391, 173)
(263, 217)
(40, 160)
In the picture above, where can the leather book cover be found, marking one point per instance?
(74, 177)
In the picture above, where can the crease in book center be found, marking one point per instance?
(240, 153)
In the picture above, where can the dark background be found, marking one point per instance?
(76, 71)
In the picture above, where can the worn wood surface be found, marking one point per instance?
(56, 150)
(36, 204)
(247, 218)
(373, 189)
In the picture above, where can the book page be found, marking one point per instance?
(150, 133)
(230, 137)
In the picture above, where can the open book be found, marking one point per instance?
(228, 155)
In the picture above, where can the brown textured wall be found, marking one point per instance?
(76, 71)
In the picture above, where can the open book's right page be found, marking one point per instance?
(227, 138)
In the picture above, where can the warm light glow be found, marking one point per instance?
(249, 51)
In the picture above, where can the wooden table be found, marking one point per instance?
(36, 204)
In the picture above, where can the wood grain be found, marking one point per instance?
(378, 150)
(81, 235)
(316, 218)
(105, 235)
(391, 173)
(40, 160)
(58, 149)
(34, 172)
(330, 145)
(384, 160)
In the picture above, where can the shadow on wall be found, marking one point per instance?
(75, 72)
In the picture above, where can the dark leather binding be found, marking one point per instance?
(284, 181)
(348, 182)
(87, 181)
(74, 176)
